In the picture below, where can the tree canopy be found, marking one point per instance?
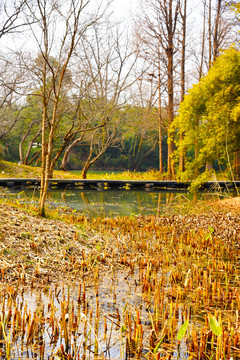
(78, 89)
(209, 116)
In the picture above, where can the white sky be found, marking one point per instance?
(124, 9)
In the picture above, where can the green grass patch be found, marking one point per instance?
(13, 170)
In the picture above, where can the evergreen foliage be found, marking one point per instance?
(209, 116)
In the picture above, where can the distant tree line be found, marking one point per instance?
(134, 146)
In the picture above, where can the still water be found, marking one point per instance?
(112, 203)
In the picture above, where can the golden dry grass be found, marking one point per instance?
(178, 267)
(40, 250)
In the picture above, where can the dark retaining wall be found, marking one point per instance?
(117, 184)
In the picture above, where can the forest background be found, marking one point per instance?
(80, 89)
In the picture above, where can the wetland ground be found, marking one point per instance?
(125, 287)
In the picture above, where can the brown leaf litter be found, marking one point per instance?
(37, 250)
(34, 249)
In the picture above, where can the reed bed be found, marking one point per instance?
(136, 287)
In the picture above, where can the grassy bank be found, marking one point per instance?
(13, 170)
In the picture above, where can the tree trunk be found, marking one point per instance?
(85, 170)
(35, 157)
(20, 152)
(65, 161)
(184, 18)
(196, 150)
(160, 120)
(208, 166)
(171, 170)
(161, 28)
(203, 41)
(216, 42)
(213, 48)
(182, 154)
(49, 164)
(26, 162)
(200, 75)
(237, 164)
(160, 144)
(44, 149)
(22, 141)
(170, 90)
(51, 170)
(210, 34)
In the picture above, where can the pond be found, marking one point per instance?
(110, 203)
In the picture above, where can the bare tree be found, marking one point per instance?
(11, 22)
(24, 158)
(58, 28)
(11, 19)
(100, 144)
(150, 50)
(11, 82)
(159, 24)
(183, 66)
(8, 118)
(219, 31)
(106, 72)
(216, 40)
(200, 72)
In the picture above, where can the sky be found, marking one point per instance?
(125, 8)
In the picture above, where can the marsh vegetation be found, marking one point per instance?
(124, 287)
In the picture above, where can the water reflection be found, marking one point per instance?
(111, 203)
(112, 300)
